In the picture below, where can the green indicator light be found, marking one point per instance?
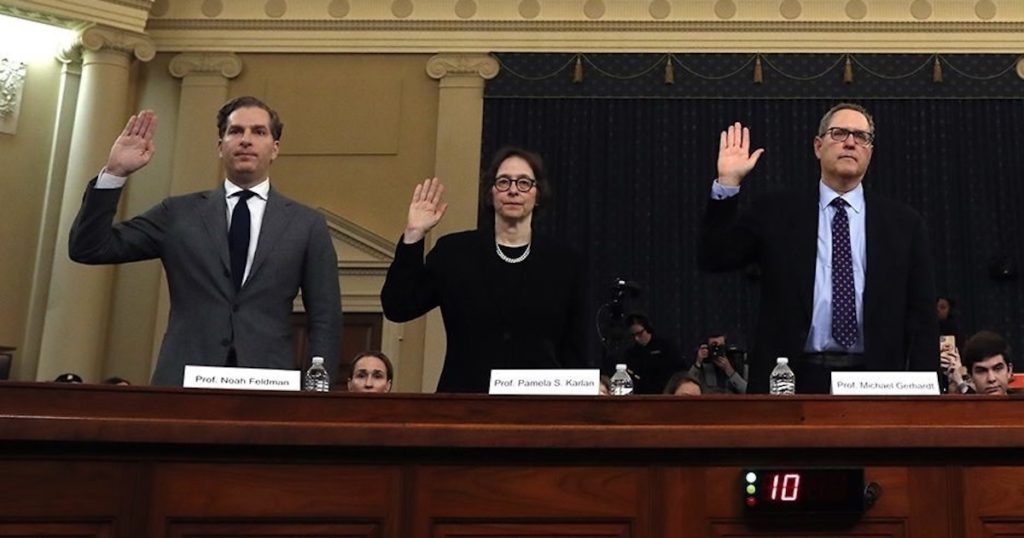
(751, 478)
(751, 489)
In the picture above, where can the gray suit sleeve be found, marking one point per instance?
(95, 239)
(321, 296)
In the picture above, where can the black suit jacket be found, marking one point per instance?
(780, 234)
(533, 320)
(189, 235)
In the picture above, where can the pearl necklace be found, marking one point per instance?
(505, 257)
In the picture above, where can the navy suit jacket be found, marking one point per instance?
(780, 234)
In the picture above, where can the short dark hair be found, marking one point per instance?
(373, 353)
(679, 378)
(983, 345)
(827, 118)
(116, 381)
(247, 101)
(68, 377)
(540, 175)
(641, 320)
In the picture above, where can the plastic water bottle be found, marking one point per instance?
(621, 383)
(317, 379)
(783, 380)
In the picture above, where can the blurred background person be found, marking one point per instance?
(509, 298)
(116, 381)
(945, 309)
(651, 359)
(68, 377)
(371, 372)
(988, 361)
(683, 383)
(714, 370)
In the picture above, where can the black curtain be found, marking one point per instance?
(632, 175)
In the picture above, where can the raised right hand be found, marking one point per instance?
(134, 148)
(734, 158)
(425, 210)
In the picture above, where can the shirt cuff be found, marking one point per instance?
(109, 181)
(721, 192)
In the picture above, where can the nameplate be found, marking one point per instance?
(567, 382)
(884, 384)
(219, 377)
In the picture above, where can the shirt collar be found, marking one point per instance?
(854, 198)
(262, 190)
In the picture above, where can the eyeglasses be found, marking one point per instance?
(523, 183)
(840, 134)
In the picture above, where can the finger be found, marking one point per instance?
(416, 193)
(429, 189)
(437, 192)
(441, 209)
(142, 122)
(150, 127)
(745, 141)
(129, 126)
(723, 141)
(732, 134)
(754, 157)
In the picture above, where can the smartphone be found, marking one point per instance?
(947, 341)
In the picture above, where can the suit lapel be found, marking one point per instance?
(805, 248)
(213, 211)
(278, 214)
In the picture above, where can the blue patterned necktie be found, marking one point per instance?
(844, 301)
(238, 236)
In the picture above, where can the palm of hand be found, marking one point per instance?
(423, 214)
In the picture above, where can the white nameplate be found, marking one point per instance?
(219, 377)
(567, 382)
(884, 383)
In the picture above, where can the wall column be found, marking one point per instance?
(460, 119)
(74, 334)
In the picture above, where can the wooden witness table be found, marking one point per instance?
(146, 462)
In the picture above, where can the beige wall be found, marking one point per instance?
(24, 159)
(359, 130)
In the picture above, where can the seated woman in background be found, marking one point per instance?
(371, 372)
(509, 298)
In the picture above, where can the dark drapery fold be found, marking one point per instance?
(631, 177)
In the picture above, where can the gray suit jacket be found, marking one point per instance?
(189, 235)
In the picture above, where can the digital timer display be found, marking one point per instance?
(777, 491)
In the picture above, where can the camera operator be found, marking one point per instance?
(651, 359)
(713, 368)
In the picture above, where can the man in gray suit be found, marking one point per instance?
(235, 256)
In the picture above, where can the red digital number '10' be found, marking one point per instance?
(790, 487)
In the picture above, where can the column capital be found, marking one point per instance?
(97, 38)
(225, 64)
(482, 65)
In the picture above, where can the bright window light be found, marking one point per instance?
(27, 41)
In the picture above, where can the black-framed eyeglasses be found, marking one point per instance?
(523, 183)
(840, 134)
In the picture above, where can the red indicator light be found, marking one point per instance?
(751, 502)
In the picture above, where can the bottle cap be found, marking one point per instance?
(620, 367)
(318, 360)
(782, 360)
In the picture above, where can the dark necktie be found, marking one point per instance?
(238, 236)
(844, 301)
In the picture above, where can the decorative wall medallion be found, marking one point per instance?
(212, 8)
(725, 9)
(275, 9)
(985, 9)
(856, 9)
(594, 9)
(921, 9)
(465, 9)
(790, 9)
(529, 9)
(12, 81)
(159, 8)
(660, 9)
(401, 8)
